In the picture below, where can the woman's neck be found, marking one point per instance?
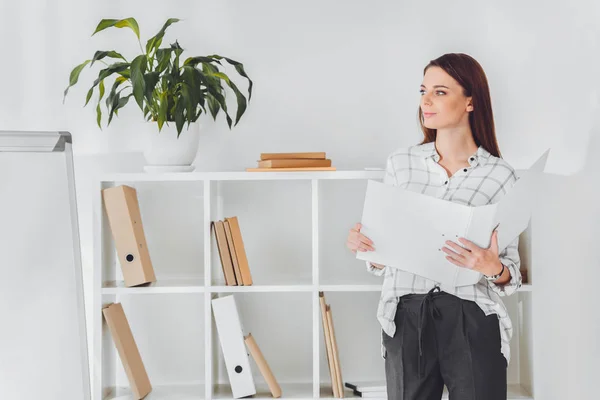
(455, 145)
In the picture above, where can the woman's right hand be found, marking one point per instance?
(359, 242)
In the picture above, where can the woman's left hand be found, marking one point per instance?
(474, 257)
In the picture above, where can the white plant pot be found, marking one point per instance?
(164, 152)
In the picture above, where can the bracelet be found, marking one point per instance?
(495, 277)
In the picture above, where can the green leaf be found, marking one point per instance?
(150, 80)
(113, 91)
(101, 87)
(117, 103)
(106, 72)
(111, 108)
(130, 23)
(191, 91)
(89, 96)
(125, 73)
(239, 67)
(99, 55)
(193, 61)
(138, 68)
(162, 110)
(214, 90)
(213, 106)
(164, 57)
(74, 77)
(98, 111)
(177, 50)
(179, 118)
(241, 100)
(208, 70)
(99, 116)
(221, 100)
(122, 102)
(155, 41)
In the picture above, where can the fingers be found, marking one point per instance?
(365, 247)
(357, 241)
(356, 227)
(456, 252)
(359, 245)
(457, 249)
(364, 239)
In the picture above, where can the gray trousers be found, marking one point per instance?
(443, 339)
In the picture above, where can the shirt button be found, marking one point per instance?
(465, 170)
(472, 158)
(445, 182)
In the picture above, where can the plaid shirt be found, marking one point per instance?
(485, 181)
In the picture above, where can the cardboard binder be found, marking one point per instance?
(125, 222)
(328, 345)
(240, 251)
(263, 366)
(336, 356)
(234, 259)
(128, 351)
(223, 247)
(231, 338)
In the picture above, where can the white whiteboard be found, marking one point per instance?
(43, 345)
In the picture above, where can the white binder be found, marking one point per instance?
(231, 337)
(409, 229)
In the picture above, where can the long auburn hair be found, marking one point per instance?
(469, 74)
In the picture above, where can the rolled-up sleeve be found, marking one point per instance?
(509, 257)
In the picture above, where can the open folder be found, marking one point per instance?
(409, 229)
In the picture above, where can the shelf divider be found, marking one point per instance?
(208, 337)
(316, 307)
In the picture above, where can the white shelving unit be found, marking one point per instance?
(194, 292)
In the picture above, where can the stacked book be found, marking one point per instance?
(333, 358)
(315, 161)
(232, 252)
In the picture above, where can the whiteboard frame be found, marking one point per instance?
(62, 141)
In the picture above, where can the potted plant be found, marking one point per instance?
(171, 94)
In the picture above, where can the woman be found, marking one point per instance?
(458, 337)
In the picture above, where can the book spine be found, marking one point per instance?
(279, 156)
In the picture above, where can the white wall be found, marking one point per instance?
(343, 77)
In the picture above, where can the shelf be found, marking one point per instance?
(191, 357)
(166, 392)
(288, 391)
(238, 176)
(178, 285)
(350, 288)
(261, 288)
(515, 392)
(196, 285)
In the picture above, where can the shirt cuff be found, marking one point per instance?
(515, 282)
(374, 270)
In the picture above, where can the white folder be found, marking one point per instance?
(231, 337)
(409, 229)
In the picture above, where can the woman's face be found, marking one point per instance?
(442, 96)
